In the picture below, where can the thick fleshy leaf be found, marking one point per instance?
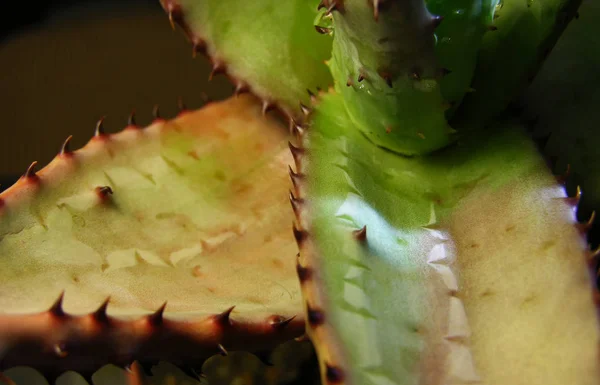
(523, 34)
(190, 212)
(460, 267)
(268, 46)
(562, 103)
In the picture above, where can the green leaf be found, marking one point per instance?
(270, 46)
(469, 268)
(191, 212)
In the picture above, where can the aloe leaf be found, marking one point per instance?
(152, 236)
(462, 266)
(561, 104)
(521, 37)
(267, 46)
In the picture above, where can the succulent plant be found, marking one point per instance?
(435, 244)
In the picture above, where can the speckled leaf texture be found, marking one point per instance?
(463, 267)
(152, 236)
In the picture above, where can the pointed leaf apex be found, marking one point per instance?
(65, 150)
(57, 308)
(224, 318)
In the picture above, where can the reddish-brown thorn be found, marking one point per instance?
(279, 323)
(376, 9)
(241, 88)
(321, 5)
(436, 20)
(156, 318)
(217, 69)
(266, 106)
(305, 109)
(103, 192)
(300, 235)
(224, 318)
(312, 95)
(171, 20)
(100, 314)
(57, 307)
(30, 173)
(304, 273)
(315, 317)
(199, 46)
(492, 28)
(349, 82)
(295, 177)
(574, 200)
(587, 225)
(387, 78)
(416, 75)
(174, 11)
(361, 77)
(65, 150)
(360, 235)
(298, 130)
(100, 127)
(131, 120)
(296, 204)
(156, 112)
(222, 350)
(297, 152)
(334, 375)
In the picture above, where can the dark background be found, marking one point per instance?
(65, 64)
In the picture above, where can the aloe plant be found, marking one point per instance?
(434, 245)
